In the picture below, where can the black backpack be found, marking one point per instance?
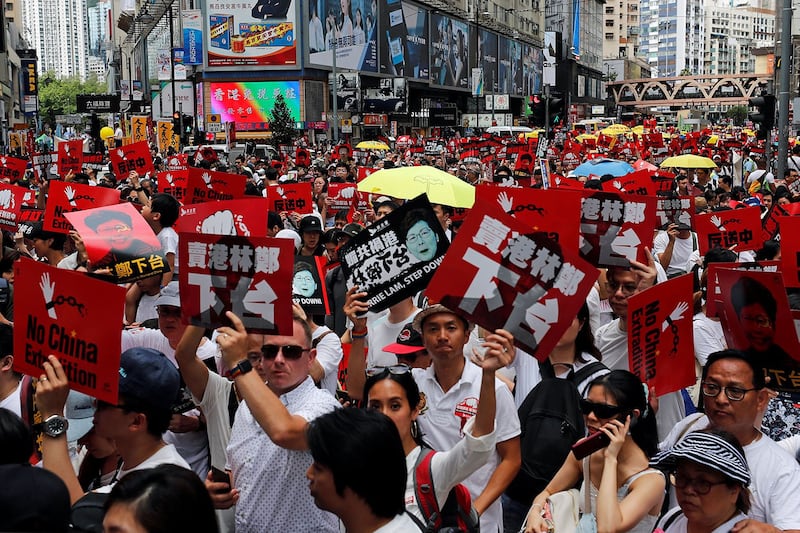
(550, 422)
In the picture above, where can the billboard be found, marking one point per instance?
(389, 97)
(403, 37)
(531, 70)
(449, 63)
(249, 104)
(509, 66)
(350, 26)
(245, 34)
(487, 52)
(348, 91)
(192, 22)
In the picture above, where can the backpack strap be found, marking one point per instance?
(424, 491)
(584, 373)
(670, 517)
(316, 341)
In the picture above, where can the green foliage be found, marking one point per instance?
(281, 123)
(738, 114)
(57, 96)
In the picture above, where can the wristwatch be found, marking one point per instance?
(243, 367)
(54, 426)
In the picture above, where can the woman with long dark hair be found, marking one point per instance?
(624, 494)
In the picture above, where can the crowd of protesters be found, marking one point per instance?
(274, 443)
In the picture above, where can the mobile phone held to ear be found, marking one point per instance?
(220, 476)
(589, 445)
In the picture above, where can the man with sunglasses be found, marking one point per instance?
(268, 450)
(734, 397)
(612, 338)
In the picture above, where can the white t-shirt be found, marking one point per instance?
(168, 238)
(329, 355)
(166, 455)
(401, 523)
(382, 332)
(775, 476)
(443, 421)
(12, 402)
(681, 250)
(613, 344)
(146, 308)
(708, 337)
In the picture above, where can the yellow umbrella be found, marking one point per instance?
(616, 129)
(713, 140)
(638, 130)
(584, 136)
(372, 145)
(688, 161)
(410, 182)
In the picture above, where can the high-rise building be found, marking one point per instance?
(58, 30)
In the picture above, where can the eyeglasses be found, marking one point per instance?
(416, 238)
(734, 394)
(290, 351)
(397, 370)
(168, 312)
(700, 486)
(760, 321)
(627, 288)
(600, 410)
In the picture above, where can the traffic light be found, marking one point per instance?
(536, 110)
(556, 110)
(176, 122)
(765, 116)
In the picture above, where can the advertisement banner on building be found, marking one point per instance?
(403, 40)
(30, 78)
(389, 97)
(487, 52)
(263, 33)
(509, 67)
(163, 65)
(249, 104)
(350, 27)
(450, 52)
(532, 70)
(192, 22)
(348, 90)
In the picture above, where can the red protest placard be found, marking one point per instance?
(74, 317)
(770, 226)
(208, 185)
(790, 250)
(615, 229)
(308, 285)
(70, 157)
(499, 274)
(638, 182)
(135, 156)
(344, 195)
(755, 317)
(679, 210)
(555, 212)
(290, 197)
(118, 238)
(738, 229)
(178, 162)
(250, 276)
(713, 290)
(11, 168)
(70, 197)
(28, 199)
(10, 205)
(174, 183)
(363, 172)
(660, 335)
(247, 218)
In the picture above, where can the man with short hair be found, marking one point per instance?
(268, 450)
(10, 381)
(734, 396)
(148, 387)
(612, 338)
(359, 470)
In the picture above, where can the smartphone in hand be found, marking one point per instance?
(589, 445)
(220, 476)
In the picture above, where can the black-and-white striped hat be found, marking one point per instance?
(709, 450)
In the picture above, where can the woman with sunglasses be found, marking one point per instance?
(711, 477)
(624, 494)
(393, 391)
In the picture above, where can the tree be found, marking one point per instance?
(281, 122)
(57, 96)
(738, 114)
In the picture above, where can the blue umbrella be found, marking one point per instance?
(602, 166)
